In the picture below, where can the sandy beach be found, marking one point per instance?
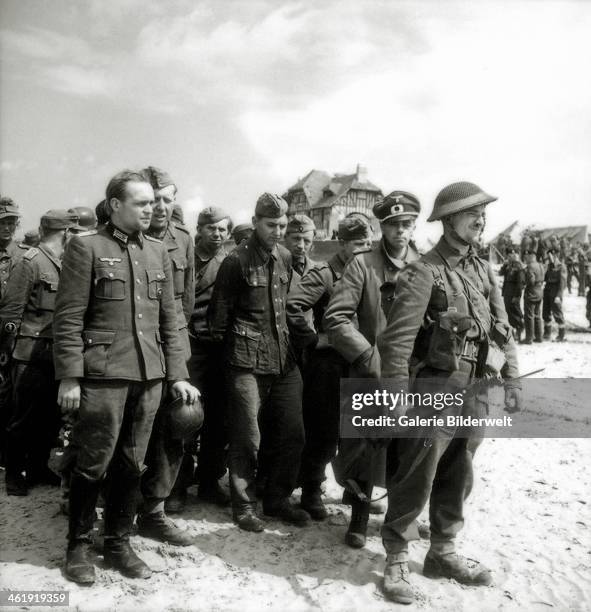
(528, 519)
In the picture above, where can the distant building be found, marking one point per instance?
(327, 199)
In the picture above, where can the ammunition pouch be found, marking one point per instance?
(449, 342)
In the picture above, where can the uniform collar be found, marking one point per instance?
(337, 263)
(123, 238)
(263, 253)
(453, 256)
(50, 255)
(409, 255)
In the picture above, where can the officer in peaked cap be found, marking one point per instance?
(165, 453)
(247, 315)
(450, 287)
(365, 295)
(26, 316)
(241, 232)
(323, 366)
(206, 367)
(9, 251)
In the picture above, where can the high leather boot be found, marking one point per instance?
(311, 501)
(356, 535)
(397, 585)
(547, 331)
(561, 335)
(120, 511)
(83, 497)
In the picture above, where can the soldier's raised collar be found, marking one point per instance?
(151, 238)
(32, 252)
(451, 254)
(123, 237)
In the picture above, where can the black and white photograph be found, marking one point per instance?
(295, 305)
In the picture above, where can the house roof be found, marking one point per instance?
(322, 190)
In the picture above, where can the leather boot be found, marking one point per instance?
(312, 503)
(453, 565)
(561, 335)
(83, 497)
(356, 535)
(547, 332)
(396, 579)
(120, 511)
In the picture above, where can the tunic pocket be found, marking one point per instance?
(47, 292)
(178, 267)
(156, 280)
(244, 346)
(109, 283)
(97, 345)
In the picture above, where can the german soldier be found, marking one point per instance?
(206, 367)
(555, 283)
(247, 314)
(165, 451)
(115, 340)
(26, 315)
(532, 297)
(514, 281)
(323, 367)
(356, 314)
(450, 281)
(242, 232)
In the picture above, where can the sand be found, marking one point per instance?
(528, 519)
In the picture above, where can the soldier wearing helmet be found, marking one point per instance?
(86, 219)
(449, 301)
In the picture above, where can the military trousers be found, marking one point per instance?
(550, 309)
(114, 425)
(514, 313)
(278, 399)
(320, 405)
(533, 319)
(34, 422)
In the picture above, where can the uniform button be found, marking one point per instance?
(111, 263)
(275, 286)
(141, 333)
(140, 316)
(110, 275)
(36, 333)
(90, 341)
(138, 298)
(139, 282)
(133, 246)
(135, 262)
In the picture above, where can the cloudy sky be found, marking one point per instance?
(239, 97)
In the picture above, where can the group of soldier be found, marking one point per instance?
(130, 326)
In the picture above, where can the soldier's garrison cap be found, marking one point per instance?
(299, 224)
(353, 228)
(457, 197)
(8, 208)
(270, 205)
(212, 214)
(242, 231)
(158, 178)
(58, 219)
(397, 204)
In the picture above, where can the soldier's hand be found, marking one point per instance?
(184, 389)
(558, 300)
(68, 395)
(513, 399)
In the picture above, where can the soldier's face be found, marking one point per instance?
(299, 244)
(164, 200)
(469, 224)
(398, 232)
(270, 230)
(213, 235)
(8, 226)
(350, 247)
(134, 213)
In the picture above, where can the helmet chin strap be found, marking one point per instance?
(456, 236)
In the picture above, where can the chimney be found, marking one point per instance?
(361, 173)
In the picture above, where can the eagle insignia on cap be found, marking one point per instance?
(397, 208)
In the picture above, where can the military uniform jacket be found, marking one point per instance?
(419, 294)
(247, 308)
(115, 316)
(296, 279)
(534, 280)
(205, 275)
(9, 257)
(514, 282)
(26, 310)
(366, 289)
(311, 295)
(555, 279)
(179, 244)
